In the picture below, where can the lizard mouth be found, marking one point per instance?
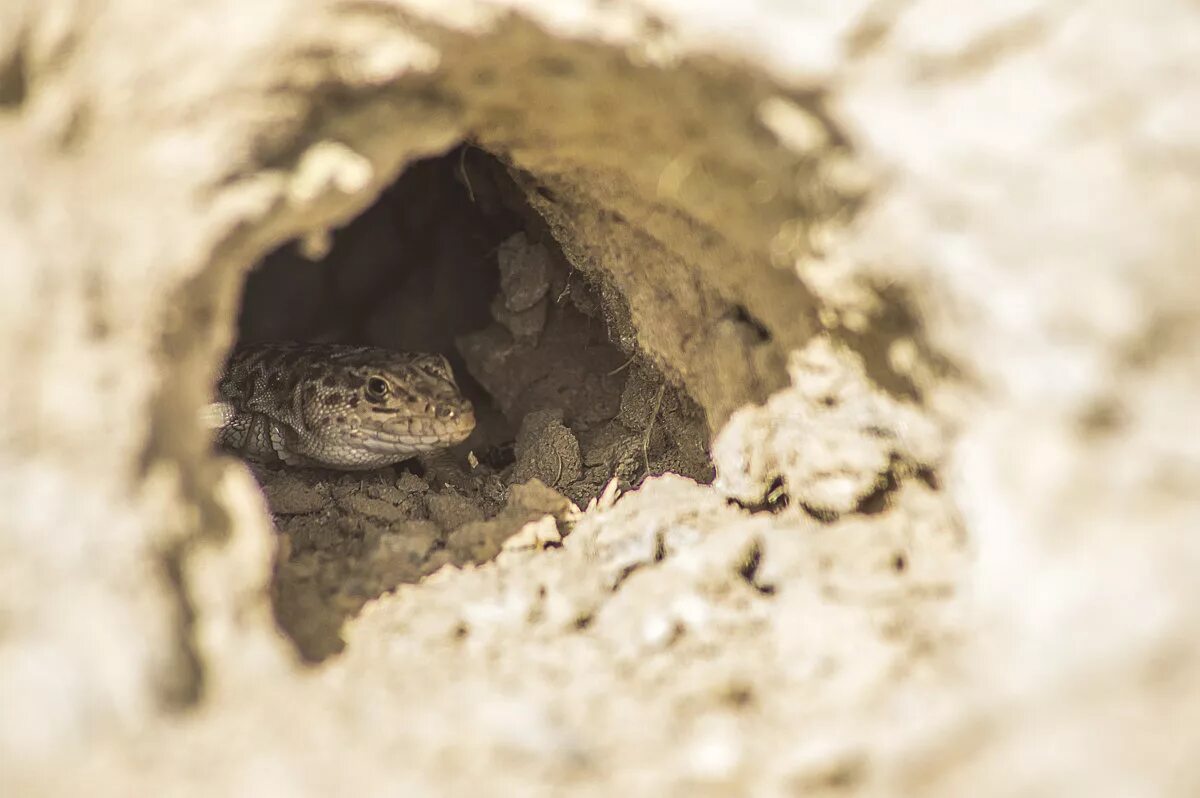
(423, 433)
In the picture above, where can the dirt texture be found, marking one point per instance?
(834, 365)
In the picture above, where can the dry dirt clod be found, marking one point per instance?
(524, 273)
(546, 450)
(450, 510)
(289, 494)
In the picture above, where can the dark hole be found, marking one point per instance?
(930, 478)
(745, 318)
(498, 456)
(452, 259)
(748, 571)
(740, 696)
(660, 547)
(775, 500)
(583, 621)
(14, 79)
(878, 500)
(822, 514)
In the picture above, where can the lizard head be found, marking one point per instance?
(388, 403)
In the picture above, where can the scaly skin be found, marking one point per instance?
(336, 406)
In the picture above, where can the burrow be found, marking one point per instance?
(607, 257)
(451, 259)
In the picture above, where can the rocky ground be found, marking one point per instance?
(834, 366)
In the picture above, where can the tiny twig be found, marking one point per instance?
(650, 427)
(462, 170)
(622, 367)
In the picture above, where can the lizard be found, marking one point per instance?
(337, 406)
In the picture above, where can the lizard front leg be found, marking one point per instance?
(254, 436)
(285, 443)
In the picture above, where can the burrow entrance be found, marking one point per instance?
(451, 259)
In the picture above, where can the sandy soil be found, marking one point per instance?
(834, 363)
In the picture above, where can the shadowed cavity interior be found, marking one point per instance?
(451, 259)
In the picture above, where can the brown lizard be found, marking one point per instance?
(337, 406)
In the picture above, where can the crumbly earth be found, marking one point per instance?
(558, 402)
(835, 366)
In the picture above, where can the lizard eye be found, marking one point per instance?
(377, 387)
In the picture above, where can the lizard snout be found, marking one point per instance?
(458, 417)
